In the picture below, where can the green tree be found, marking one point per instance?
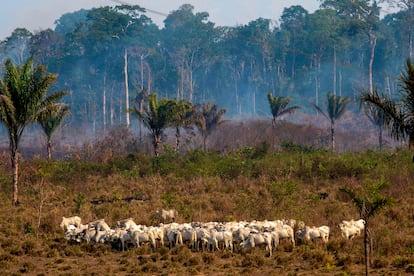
(156, 116)
(369, 200)
(362, 17)
(335, 108)
(406, 15)
(187, 38)
(375, 114)
(17, 45)
(182, 117)
(208, 118)
(50, 119)
(400, 115)
(278, 106)
(23, 97)
(293, 23)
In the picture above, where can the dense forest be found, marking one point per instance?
(111, 57)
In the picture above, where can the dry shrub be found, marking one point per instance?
(6, 260)
(52, 253)
(29, 247)
(318, 257)
(410, 269)
(27, 267)
(193, 261)
(73, 251)
(380, 262)
(208, 258)
(253, 260)
(151, 268)
(400, 262)
(180, 254)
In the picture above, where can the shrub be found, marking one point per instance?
(380, 262)
(208, 258)
(28, 247)
(27, 267)
(151, 268)
(400, 262)
(253, 260)
(318, 257)
(410, 269)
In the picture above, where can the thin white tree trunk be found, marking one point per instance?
(334, 72)
(104, 102)
(372, 42)
(126, 87)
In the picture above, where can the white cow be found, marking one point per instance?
(126, 224)
(99, 225)
(138, 237)
(285, 232)
(224, 237)
(258, 239)
(313, 233)
(75, 220)
(121, 235)
(351, 229)
(167, 215)
(189, 236)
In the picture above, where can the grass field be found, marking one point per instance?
(251, 183)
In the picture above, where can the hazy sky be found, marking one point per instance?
(36, 15)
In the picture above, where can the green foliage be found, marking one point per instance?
(398, 114)
(278, 106)
(79, 200)
(291, 147)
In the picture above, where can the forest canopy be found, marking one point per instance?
(106, 56)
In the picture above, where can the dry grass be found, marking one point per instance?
(272, 186)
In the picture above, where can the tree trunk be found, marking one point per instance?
(372, 42)
(411, 142)
(49, 149)
(156, 144)
(15, 168)
(366, 246)
(380, 138)
(204, 142)
(177, 139)
(104, 102)
(332, 137)
(410, 37)
(126, 86)
(334, 72)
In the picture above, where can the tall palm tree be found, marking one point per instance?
(182, 117)
(208, 118)
(156, 117)
(278, 106)
(23, 97)
(399, 115)
(336, 107)
(50, 120)
(375, 114)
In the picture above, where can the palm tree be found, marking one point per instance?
(369, 202)
(278, 106)
(156, 117)
(208, 118)
(336, 107)
(399, 115)
(375, 114)
(50, 120)
(183, 117)
(23, 97)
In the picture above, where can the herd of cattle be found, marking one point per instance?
(203, 236)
